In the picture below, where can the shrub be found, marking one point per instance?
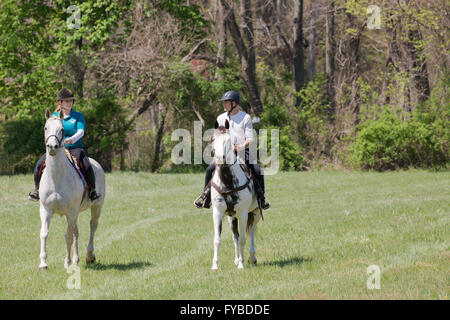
(391, 143)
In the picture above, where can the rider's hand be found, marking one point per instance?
(68, 141)
(238, 147)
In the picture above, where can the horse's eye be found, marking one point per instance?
(45, 128)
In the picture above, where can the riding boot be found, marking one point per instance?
(204, 200)
(260, 190)
(34, 196)
(90, 177)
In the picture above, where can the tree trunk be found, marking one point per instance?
(312, 38)
(329, 54)
(159, 135)
(299, 72)
(393, 59)
(353, 65)
(247, 29)
(76, 63)
(249, 73)
(417, 66)
(222, 34)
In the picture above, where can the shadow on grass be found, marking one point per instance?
(287, 261)
(118, 266)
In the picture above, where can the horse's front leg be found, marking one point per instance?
(46, 215)
(71, 224)
(75, 258)
(234, 229)
(242, 237)
(217, 218)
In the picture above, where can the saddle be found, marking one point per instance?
(75, 163)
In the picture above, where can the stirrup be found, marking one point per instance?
(265, 205)
(199, 202)
(202, 201)
(34, 196)
(93, 195)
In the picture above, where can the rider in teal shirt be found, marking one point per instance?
(74, 128)
(72, 123)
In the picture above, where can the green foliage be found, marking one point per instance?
(391, 143)
(188, 91)
(291, 154)
(21, 144)
(276, 115)
(25, 71)
(189, 15)
(397, 139)
(106, 128)
(313, 119)
(36, 44)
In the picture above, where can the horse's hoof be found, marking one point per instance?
(90, 258)
(236, 262)
(89, 261)
(43, 268)
(240, 266)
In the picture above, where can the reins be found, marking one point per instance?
(59, 140)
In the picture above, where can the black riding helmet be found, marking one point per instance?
(231, 95)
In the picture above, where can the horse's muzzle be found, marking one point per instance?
(52, 152)
(52, 148)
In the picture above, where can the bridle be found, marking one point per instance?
(223, 130)
(58, 139)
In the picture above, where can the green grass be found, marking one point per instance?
(324, 229)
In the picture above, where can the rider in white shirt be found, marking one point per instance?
(241, 132)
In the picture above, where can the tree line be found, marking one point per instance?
(349, 84)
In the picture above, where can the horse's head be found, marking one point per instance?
(222, 146)
(53, 132)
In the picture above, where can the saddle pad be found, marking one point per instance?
(76, 166)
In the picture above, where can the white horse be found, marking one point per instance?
(232, 193)
(62, 192)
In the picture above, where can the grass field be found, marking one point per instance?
(316, 242)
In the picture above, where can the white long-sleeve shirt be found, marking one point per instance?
(240, 126)
(77, 136)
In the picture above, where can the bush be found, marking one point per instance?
(290, 153)
(106, 128)
(21, 144)
(391, 143)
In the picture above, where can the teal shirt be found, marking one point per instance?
(72, 124)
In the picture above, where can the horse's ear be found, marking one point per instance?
(227, 124)
(216, 124)
(47, 114)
